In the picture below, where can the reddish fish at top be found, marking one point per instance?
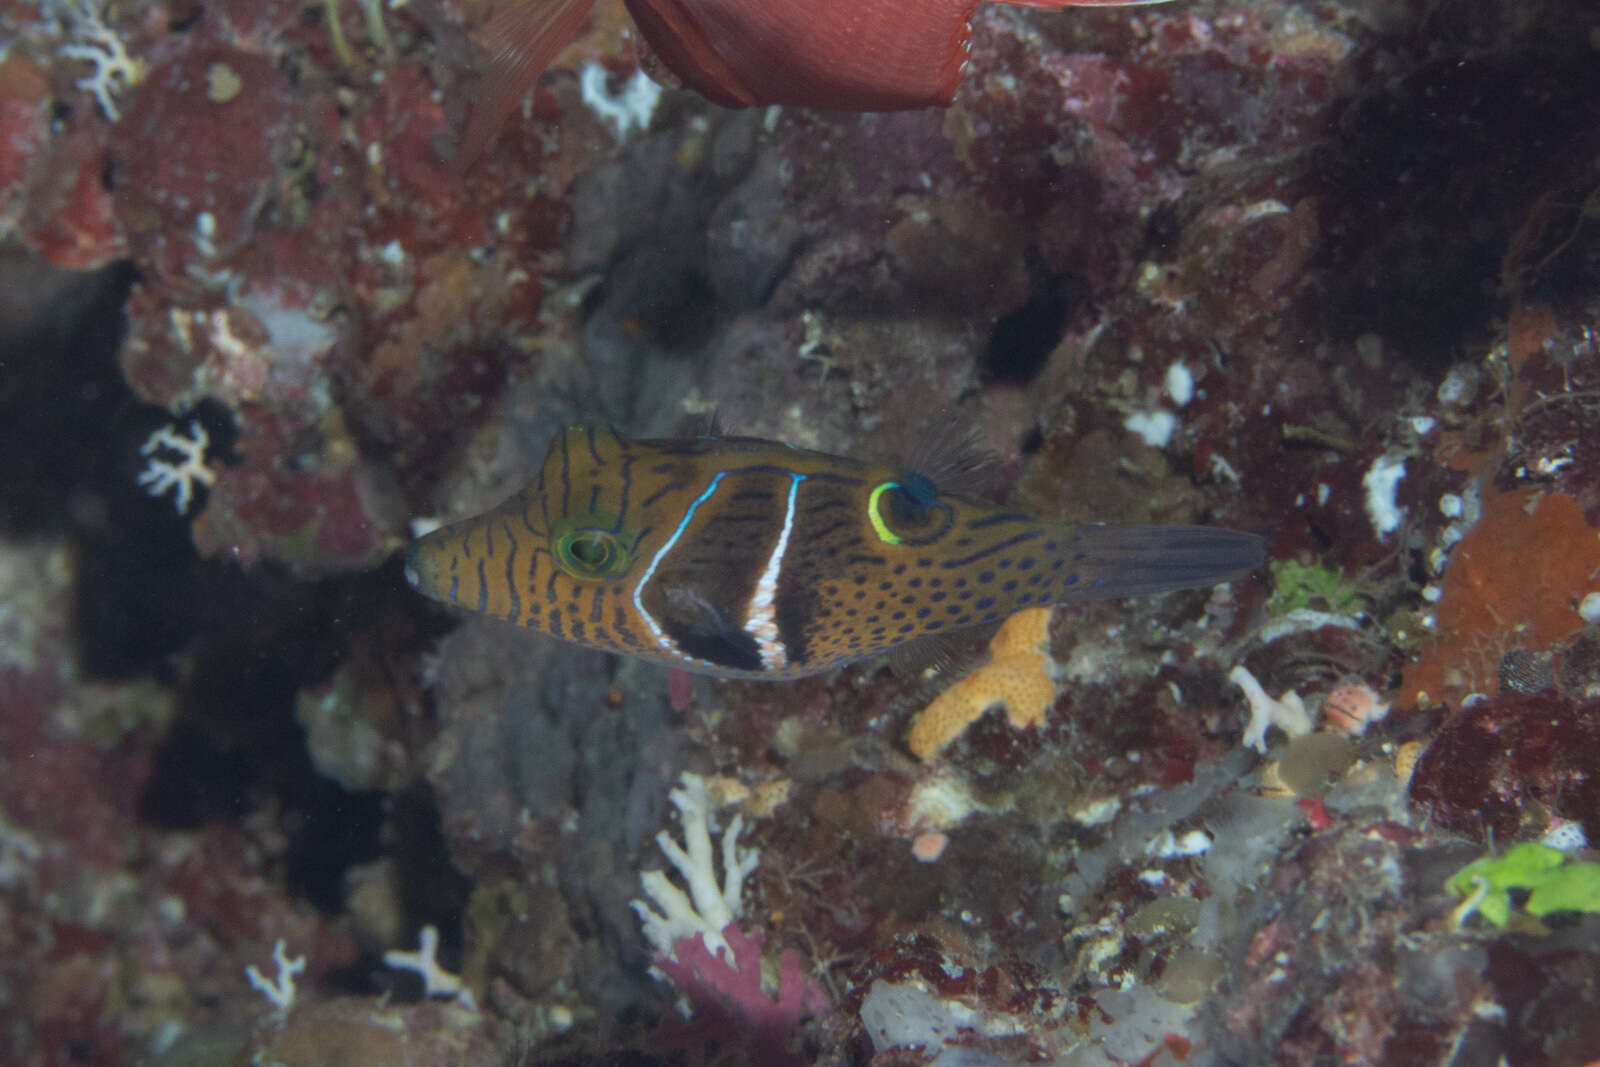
(846, 55)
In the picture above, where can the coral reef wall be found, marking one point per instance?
(1328, 272)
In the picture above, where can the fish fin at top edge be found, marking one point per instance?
(521, 41)
(701, 424)
(950, 452)
(1056, 4)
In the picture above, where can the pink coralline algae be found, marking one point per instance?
(189, 188)
(728, 998)
(258, 509)
(327, 277)
(1503, 767)
(63, 212)
(53, 196)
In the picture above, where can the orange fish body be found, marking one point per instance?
(850, 55)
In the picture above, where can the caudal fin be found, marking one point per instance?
(1145, 560)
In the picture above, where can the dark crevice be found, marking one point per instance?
(432, 891)
(264, 637)
(238, 645)
(59, 391)
(73, 436)
(135, 600)
(1445, 199)
(659, 292)
(1021, 341)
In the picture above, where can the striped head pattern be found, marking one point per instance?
(748, 558)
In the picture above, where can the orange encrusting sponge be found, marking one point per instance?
(1515, 581)
(1017, 675)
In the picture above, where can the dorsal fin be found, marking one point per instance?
(950, 452)
(521, 41)
(701, 424)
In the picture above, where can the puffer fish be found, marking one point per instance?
(746, 558)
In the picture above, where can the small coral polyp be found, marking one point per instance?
(183, 473)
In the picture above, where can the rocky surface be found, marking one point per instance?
(1326, 271)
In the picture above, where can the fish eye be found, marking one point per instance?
(908, 513)
(589, 553)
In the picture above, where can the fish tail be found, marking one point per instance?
(1120, 561)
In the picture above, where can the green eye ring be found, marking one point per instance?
(899, 517)
(875, 513)
(588, 551)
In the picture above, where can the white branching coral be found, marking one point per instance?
(1288, 712)
(631, 107)
(708, 907)
(436, 981)
(92, 41)
(280, 990)
(181, 472)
